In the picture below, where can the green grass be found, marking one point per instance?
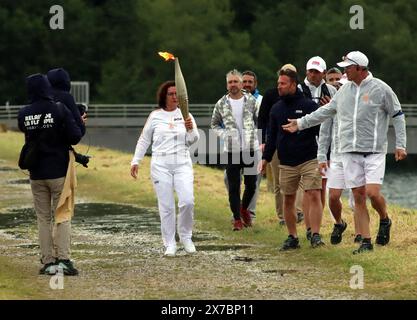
(16, 282)
(390, 272)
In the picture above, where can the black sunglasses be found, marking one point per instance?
(344, 58)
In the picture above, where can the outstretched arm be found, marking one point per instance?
(291, 126)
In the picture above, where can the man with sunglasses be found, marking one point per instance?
(363, 106)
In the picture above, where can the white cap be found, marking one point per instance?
(316, 63)
(354, 58)
(343, 79)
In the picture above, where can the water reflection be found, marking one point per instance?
(104, 218)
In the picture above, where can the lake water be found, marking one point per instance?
(400, 185)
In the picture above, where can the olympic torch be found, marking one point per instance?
(182, 95)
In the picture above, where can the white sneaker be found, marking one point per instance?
(170, 251)
(189, 246)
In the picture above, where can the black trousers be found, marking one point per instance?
(237, 162)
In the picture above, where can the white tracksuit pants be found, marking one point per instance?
(171, 173)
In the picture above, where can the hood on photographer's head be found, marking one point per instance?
(38, 87)
(59, 79)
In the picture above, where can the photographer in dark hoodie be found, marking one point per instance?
(61, 86)
(54, 127)
(297, 154)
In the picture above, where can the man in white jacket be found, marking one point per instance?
(363, 107)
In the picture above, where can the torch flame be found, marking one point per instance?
(167, 56)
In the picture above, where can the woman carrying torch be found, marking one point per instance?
(171, 135)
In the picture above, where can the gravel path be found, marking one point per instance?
(120, 257)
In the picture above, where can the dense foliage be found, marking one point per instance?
(113, 44)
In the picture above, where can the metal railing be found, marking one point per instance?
(143, 110)
(117, 110)
(140, 110)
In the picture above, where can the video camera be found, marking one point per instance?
(81, 158)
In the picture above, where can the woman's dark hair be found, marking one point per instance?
(161, 95)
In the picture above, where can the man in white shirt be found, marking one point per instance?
(250, 83)
(234, 120)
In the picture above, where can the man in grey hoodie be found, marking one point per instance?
(363, 107)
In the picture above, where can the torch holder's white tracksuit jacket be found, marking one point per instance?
(363, 114)
(171, 169)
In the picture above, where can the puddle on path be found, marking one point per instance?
(222, 247)
(281, 272)
(98, 217)
(103, 218)
(8, 169)
(18, 181)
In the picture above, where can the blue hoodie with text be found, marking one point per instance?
(59, 127)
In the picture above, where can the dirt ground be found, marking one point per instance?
(119, 256)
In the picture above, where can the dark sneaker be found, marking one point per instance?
(308, 234)
(246, 217)
(338, 230)
(358, 239)
(49, 269)
(300, 217)
(364, 247)
(383, 233)
(237, 225)
(281, 222)
(68, 267)
(290, 243)
(316, 241)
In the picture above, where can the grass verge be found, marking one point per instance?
(390, 272)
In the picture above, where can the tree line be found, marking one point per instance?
(113, 44)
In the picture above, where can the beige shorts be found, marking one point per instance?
(308, 171)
